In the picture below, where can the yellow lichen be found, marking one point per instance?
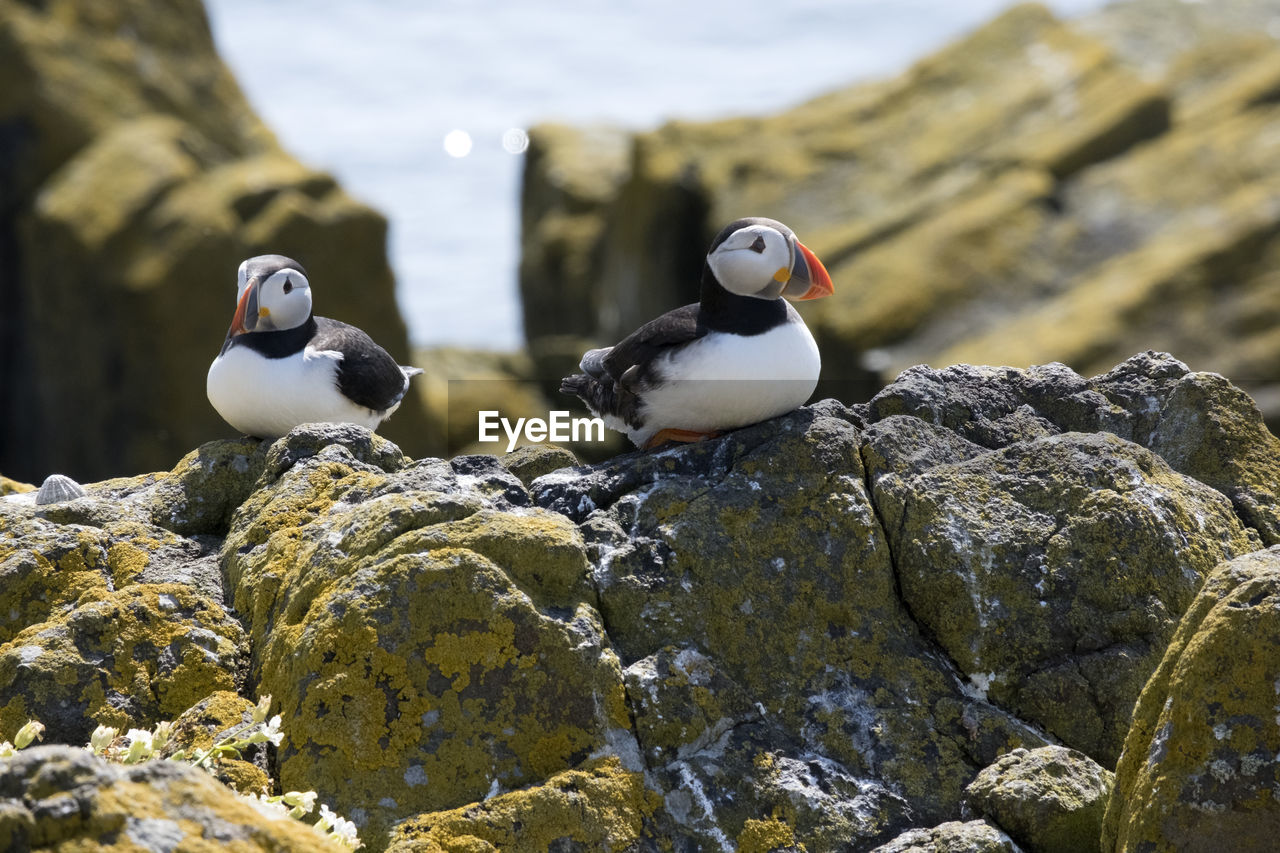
(761, 836)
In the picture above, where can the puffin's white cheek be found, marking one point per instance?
(740, 272)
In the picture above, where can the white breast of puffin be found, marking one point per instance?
(727, 381)
(267, 397)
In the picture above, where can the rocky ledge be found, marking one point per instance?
(935, 621)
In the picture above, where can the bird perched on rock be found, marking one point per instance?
(739, 356)
(280, 366)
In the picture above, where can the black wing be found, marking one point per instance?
(613, 375)
(367, 374)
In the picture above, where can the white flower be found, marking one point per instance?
(160, 736)
(271, 732)
(6, 749)
(101, 739)
(269, 806)
(339, 829)
(262, 709)
(139, 746)
(305, 800)
(31, 731)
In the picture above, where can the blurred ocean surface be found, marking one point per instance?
(410, 103)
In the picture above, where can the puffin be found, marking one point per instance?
(281, 366)
(740, 355)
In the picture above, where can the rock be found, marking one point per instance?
(571, 174)
(532, 461)
(126, 659)
(1020, 542)
(1050, 799)
(428, 612)
(137, 179)
(771, 667)
(219, 716)
(598, 807)
(809, 633)
(63, 797)
(975, 836)
(13, 487)
(1198, 769)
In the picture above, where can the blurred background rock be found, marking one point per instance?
(1043, 188)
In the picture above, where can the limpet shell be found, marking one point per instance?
(57, 488)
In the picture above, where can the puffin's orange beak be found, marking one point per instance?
(807, 272)
(246, 316)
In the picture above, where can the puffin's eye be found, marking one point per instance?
(758, 245)
(288, 285)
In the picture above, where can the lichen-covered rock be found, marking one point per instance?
(219, 716)
(1199, 423)
(812, 633)
(771, 667)
(1198, 771)
(989, 451)
(127, 658)
(13, 487)
(600, 806)
(427, 610)
(571, 174)
(975, 836)
(1050, 800)
(1022, 543)
(64, 798)
(138, 178)
(530, 462)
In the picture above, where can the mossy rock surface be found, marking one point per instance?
(430, 637)
(128, 658)
(1198, 770)
(812, 633)
(64, 798)
(600, 806)
(772, 669)
(975, 836)
(1051, 799)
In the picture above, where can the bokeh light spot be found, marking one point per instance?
(515, 141)
(457, 143)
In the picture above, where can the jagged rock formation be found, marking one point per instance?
(134, 179)
(815, 631)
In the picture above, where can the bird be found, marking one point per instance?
(739, 356)
(281, 366)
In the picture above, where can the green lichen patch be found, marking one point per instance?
(1010, 559)
(597, 806)
(1199, 769)
(14, 487)
(127, 658)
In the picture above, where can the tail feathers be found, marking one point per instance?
(603, 397)
(410, 372)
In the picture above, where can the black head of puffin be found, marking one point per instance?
(762, 258)
(273, 294)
